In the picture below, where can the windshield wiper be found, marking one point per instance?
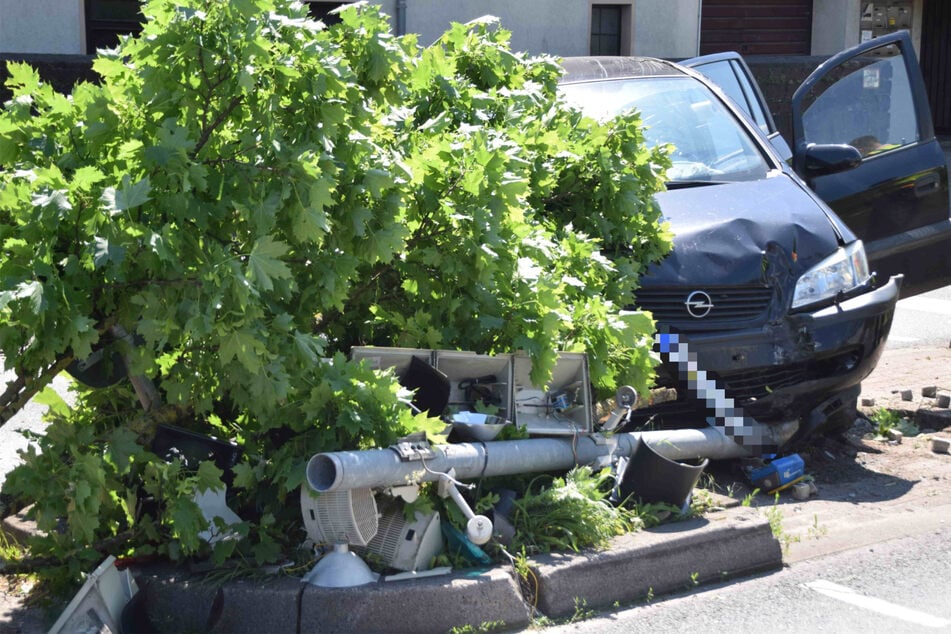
(683, 184)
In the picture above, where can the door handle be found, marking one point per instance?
(927, 184)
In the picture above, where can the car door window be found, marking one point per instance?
(866, 103)
(734, 83)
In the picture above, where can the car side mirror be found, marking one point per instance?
(830, 158)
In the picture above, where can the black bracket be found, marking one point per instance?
(414, 447)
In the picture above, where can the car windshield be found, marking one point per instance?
(709, 143)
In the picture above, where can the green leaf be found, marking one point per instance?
(243, 346)
(264, 264)
(186, 521)
(244, 477)
(52, 399)
(123, 446)
(129, 196)
(105, 252)
(22, 77)
(34, 292)
(208, 477)
(56, 199)
(309, 346)
(86, 176)
(377, 180)
(83, 336)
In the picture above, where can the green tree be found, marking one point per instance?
(252, 194)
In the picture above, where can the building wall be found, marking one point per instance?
(667, 28)
(558, 27)
(661, 28)
(835, 25)
(42, 26)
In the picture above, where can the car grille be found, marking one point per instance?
(731, 305)
(743, 386)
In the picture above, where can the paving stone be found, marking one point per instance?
(940, 445)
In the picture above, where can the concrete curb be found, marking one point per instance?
(659, 561)
(434, 604)
(724, 544)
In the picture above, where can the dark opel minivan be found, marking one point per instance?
(785, 301)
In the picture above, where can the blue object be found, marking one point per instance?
(457, 542)
(778, 473)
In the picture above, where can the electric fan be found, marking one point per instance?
(410, 546)
(340, 518)
(348, 516)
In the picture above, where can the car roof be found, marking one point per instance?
(579, 69)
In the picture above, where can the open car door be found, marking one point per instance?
(873, 98)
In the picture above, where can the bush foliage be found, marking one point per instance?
(252, 194)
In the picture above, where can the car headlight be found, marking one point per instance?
(841, 272)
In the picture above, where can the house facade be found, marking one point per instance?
(659, 28)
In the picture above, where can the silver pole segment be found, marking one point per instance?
(384, 467)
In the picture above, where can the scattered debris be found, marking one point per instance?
(907, 395)
(778, 473)
(868, 402)
(943, 401)
(929, 391)
(99, 604)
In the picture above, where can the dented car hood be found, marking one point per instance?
(744, 233)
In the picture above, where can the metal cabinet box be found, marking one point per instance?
(478, 382)
(501, 384)
(563, 407)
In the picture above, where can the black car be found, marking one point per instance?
(771, 288)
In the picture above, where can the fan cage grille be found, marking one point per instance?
(350, 516)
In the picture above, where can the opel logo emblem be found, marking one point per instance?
(698, 304)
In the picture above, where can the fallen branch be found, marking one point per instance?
(22, 389)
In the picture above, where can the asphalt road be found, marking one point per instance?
(923, 321)
(895, 587)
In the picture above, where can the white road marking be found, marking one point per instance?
(927, 305)
(876, 605)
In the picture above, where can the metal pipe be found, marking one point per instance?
(384, 467)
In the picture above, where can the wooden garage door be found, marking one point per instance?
(936, 61)
(756, 27)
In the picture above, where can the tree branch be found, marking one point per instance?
(22, 389)
(207, 130)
